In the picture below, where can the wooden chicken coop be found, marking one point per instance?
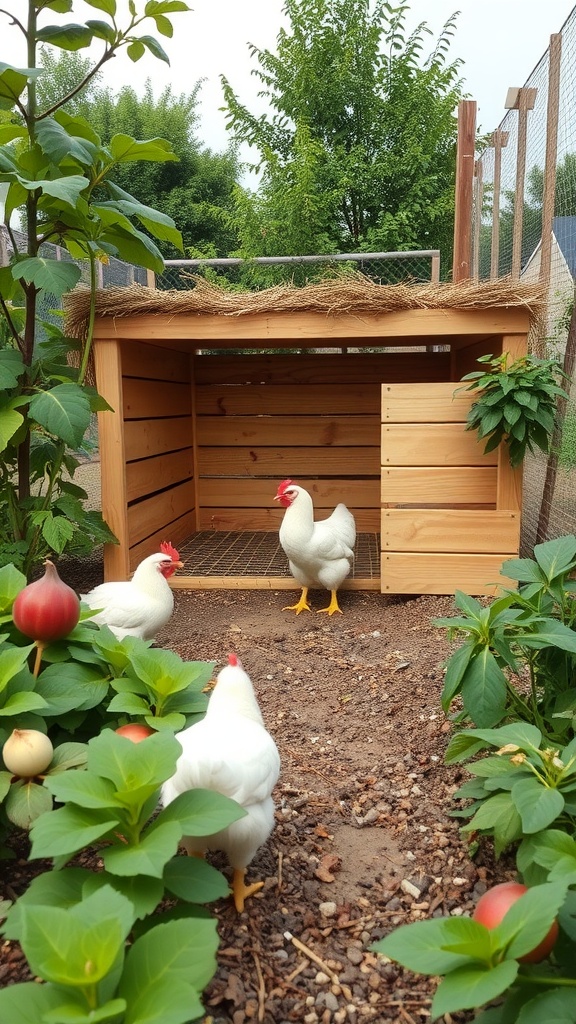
(217, 397)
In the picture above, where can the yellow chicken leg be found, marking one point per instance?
(301, 606)
(333, 606)
(240, 891)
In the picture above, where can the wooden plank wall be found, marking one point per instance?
(314, 417)
(450, 514)
(157, 409)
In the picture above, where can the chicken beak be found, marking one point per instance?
(178, 565)
(277, 497)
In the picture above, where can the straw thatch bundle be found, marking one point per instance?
(341, 294)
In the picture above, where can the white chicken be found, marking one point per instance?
(142, 605)
(230, 752)
(319, 553)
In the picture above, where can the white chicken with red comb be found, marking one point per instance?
(140, 606)
(230, 752)
(321, 553)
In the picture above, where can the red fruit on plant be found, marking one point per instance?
(494, 904)
(47, 609)
(135, 732)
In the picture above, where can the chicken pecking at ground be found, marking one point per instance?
(140, 606)
(230, 752)
(319, 553)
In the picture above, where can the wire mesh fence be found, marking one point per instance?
(264, 272)
(525, 226)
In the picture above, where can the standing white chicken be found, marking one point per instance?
(142, 605)
(319, 553)
(230, 752)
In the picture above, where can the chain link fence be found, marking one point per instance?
(525, 226)
(266, 271)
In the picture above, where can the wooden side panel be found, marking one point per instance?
(260, 493)
(292, 430)
(238, 519)
(146, 398)
(281, 462)
(107, 364)
(450, 513)
(441, 573)
(147, 518)
(321, 368)
(145, 476)
(467, 530)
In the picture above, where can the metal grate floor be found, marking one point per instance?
(210, 553)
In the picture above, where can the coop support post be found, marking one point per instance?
(521, 100)
(478, 200)
(108, 369)
(555, 55)
(464, 187)
(499, 141)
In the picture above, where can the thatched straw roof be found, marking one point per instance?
(343, 294)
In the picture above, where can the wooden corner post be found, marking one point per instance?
(462, 261)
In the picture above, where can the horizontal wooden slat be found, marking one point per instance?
(176, 532)
(151, 399)
(293, 430)
(265, 400)
(451, 530)
(257, 583)
(439, 485)
(149, 475)
(147, 361)
(248, 493)
(408, 573)
(322, 368)
(425, 403)
(235, 519)
(144, 438)
(195, 330)
(283, 462)
(152, 514)
(433, 444)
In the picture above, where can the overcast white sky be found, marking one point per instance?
(500, 42)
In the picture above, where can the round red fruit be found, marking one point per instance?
(135, 732)
(496, 902)
(47, 609)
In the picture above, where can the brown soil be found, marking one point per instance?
(363, 839)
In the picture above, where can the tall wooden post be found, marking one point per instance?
(461, 265)
(521, 100)
(478, 201)
(499, 141)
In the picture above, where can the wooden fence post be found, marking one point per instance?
(461, 264)
(521, 100)
(555, 55)
(499, 141)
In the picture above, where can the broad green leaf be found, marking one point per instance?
(455, 670)
(550, 633)
(83, 789)
(200, 812)
(67, 189)
(421, 946)
(54, 276)
(497, 815)
(63, 411)
(484, 689)
(523, 734)
(149, 856)
(124, 149)
(556, 1006)
(556, 557)
(129, 704)
(108, 6)
(102, 30)
(462, 746)
(133, 247)
(25, 802)
(67, 830)
(13, 82)
(158, 224)
(528, 921)
(143, 891)
(18, 703)
(525, 570)
(80, 944)
(472, 986)
(132, 765)
(12, 661)
(179, 953)
(71, 686)
(12, 581)
(155, 48)
(10, 422)
(154, 7)
(57, 532)
(11, 367)
(489, 767)
(135, 50)
(28, 1002)
(67, 37)
(537, 805)
(194, 880)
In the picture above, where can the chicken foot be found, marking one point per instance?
(333, 606)
(240, 891)
(301, 606)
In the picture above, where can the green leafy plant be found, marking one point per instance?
(481, 964)
(520, 789)
(57, 170)
(518, 656)
(516, 404)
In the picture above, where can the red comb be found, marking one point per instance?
(284, 485)
(233, 659)
(167, 549)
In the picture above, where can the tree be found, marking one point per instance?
(359, 151)
(57, 169)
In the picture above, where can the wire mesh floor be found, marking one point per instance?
(210, 553)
